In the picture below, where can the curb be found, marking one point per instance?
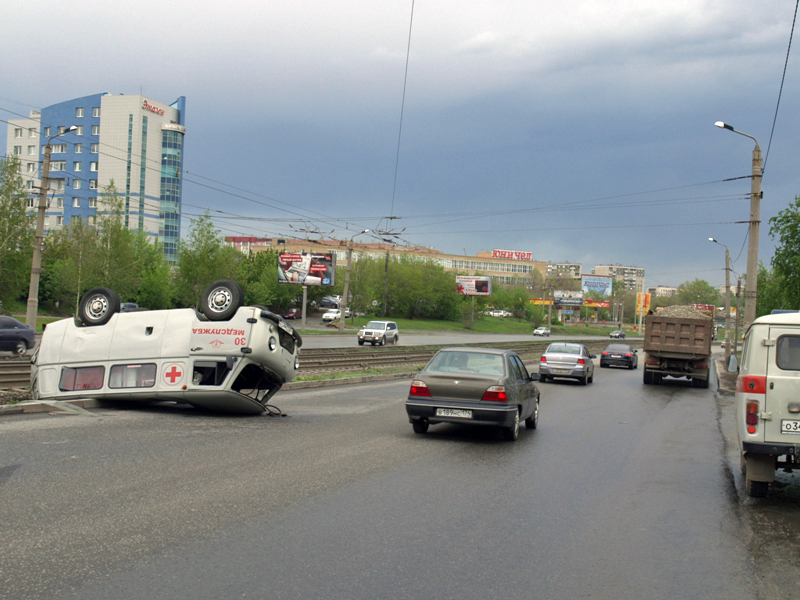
(74, 406)
(726, 382)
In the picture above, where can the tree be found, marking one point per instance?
(771, 292)
(698, 292)
(16, 231)
(785, 227)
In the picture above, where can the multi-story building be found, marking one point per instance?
(132, 141)
(662, 291)
(633, 277)
(572, 270)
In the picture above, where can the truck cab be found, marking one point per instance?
(768, 400)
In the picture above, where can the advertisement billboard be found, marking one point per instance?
(474, 286)
(307, 269)
(568, 297)
(600, 284)
(642, 303)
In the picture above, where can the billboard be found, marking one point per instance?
(307, 269)
(474, 286)
(600, 284)
(643, 303)
(568, 297)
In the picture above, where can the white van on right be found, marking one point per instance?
(768, 400)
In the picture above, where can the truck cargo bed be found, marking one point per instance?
(678, 337)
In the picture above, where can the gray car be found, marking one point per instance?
(570, 360)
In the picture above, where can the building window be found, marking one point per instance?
(96, 112)
(95, 129)
(95, 148)
(17, 150)
(47, 132)
(59, 185)
(76, 166)
(58, 148)
(31, 167)
(74, 219)
(31, 150)
(79, 131)
(61, 129)
(18, 132)
(93, 166)
(76, 184)
(30, 202)
(93, 184)
(92, 220)
(32, 132)
(92, 202)
(59, 220)
(58, 165)
(79, 112)
(78, 148)
(59, 203)
(76, 202)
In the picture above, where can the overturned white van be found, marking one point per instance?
(229, 358)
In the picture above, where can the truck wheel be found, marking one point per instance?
(647, 377)
(97, 306)
(221, 299)
(656, 378)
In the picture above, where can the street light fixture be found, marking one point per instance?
(36, 262)
(727, 299)
(751, 283)
(343, 303)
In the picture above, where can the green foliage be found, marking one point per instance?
(16, 232)
(785, 229)
(698, 292)
(771, 293)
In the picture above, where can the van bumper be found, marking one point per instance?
(771, 449)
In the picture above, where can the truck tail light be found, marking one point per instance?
(496, 393)
(751, 415)
(418, 388)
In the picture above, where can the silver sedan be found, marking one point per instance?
(563, 359)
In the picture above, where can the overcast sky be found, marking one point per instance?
(581, 131)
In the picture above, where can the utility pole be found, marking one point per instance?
(38, 241)
(346, 291)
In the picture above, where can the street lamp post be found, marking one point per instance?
(727, 299)
(343, 303)
(751, 282)
(38, 242)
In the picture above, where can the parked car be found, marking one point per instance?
(565, 359)
(328, 302)
(542, 331)
(379, 332)
(293, 313)
(474, 386)
(15, 337)
(335, 315)
(619, 355)
(618, 334)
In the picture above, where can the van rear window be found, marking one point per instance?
(82, 378)
(788, 353)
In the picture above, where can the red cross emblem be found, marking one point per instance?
(173, 374)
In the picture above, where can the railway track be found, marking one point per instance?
(15, 373)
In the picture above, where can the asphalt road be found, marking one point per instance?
(624, 491)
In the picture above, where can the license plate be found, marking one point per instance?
(790, 426)
(616, 356)
(454, 412)
(561, 371)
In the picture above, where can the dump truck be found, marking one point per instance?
(677, 343)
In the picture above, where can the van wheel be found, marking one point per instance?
(97, 306)
(756, 489)
(221, 299)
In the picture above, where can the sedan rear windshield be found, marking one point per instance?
(467, 362)
(618, 348)
(564, 348)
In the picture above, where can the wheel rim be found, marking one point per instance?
(516, 424)
(21, 348)
(219, 299)
(97, 307)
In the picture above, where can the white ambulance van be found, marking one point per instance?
(768, 400)
(229, 358)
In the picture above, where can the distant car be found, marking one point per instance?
(618, 334)
(379, 332)
(293, 313)
(329, 303)
(15, 337)
(474, 386)
(335, 315)
(619, 355)
(564, 359)
(542, 331)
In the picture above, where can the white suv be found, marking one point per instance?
(379, 332)
(768, 400)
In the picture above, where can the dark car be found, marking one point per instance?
(619, 355)
(293, 313)
(564, 359)
(474, 386)
(327, 302)
(15, 336)
(618, 334)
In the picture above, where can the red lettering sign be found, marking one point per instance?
(151, 108)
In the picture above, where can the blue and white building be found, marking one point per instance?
(134, 141)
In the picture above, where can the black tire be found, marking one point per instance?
(383, 341)
(533, 421)
(756, 489)
(512, 433)
(657, 378)
(360, 342)
(584, 380)
(647, 377)
(21, 348)
(97, 306)
(221, 299)
(603, 365)
(591, 377)
(630, 367)
(420, 426)
(542, 378)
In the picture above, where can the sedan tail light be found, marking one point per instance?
(543, 359)
(581, 361)
(496, 393)
(629, 355)
(418, 388)
(604, 353)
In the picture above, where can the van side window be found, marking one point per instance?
(207, 372)
(788, 353)
(132, 376)
(82, 378)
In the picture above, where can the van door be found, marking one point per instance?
(783, 385)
